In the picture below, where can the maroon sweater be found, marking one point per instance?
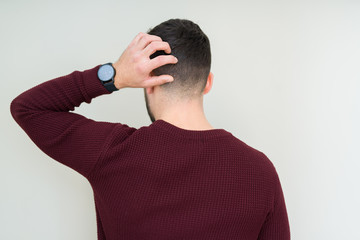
(158, 181)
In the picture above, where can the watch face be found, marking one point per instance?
(106, 72)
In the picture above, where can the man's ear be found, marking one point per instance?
(209, 83)
(149, 90)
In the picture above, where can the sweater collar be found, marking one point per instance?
(199, 134)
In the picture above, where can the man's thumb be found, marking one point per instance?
(159, 80)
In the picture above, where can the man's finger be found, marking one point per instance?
(146, 39)
(157, 46)
(158, 80)
(137, 37)
(160, 61)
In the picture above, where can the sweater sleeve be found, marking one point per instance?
(43, 112)
(276, 225)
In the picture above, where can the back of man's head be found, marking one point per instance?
(192, 48)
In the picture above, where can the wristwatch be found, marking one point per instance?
(106, 74)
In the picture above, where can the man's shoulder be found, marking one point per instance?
(225, 141)
(253, 155)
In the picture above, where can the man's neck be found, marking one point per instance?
(189, 116)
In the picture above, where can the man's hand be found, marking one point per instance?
(134, 67)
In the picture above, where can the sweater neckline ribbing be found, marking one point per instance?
(198, 134)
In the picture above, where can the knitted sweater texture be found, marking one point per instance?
(158, 181)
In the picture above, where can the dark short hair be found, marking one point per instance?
(192, 48)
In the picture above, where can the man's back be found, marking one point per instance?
(178, 178)
(164, 182)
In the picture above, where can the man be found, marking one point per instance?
(178, 178)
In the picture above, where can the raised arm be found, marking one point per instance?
(43, 111)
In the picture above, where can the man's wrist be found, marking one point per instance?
(117, 81)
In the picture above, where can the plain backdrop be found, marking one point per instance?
(287, 83)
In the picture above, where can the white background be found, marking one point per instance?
(287, 82)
